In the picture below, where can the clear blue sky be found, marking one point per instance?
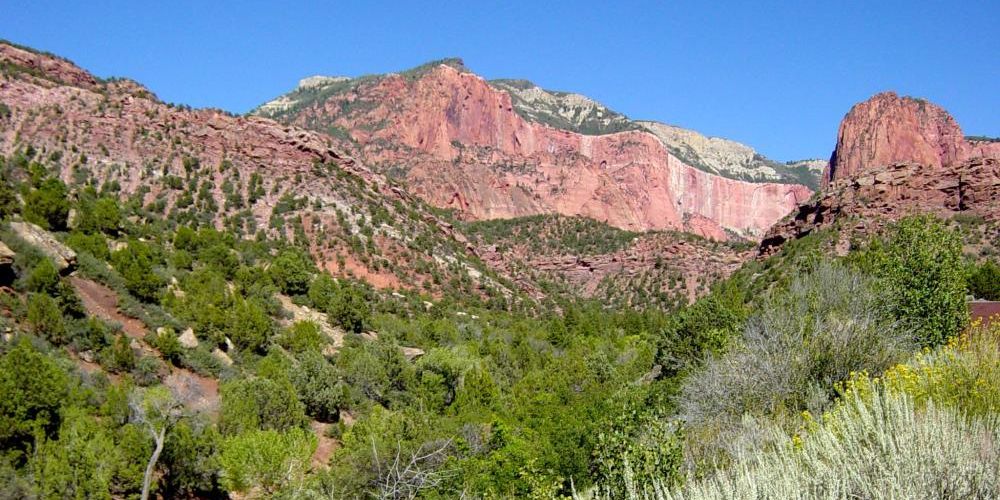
(776, 75)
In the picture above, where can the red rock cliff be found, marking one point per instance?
(889, 129)
(465, 147)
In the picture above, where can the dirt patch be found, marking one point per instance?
(325, 445)
(354, 267)
(102, 302)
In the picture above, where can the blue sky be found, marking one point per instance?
(776, 75)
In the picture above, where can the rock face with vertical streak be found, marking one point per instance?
(508, 149)
(888, 129)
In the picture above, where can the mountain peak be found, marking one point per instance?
(888, 128)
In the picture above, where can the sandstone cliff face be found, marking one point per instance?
(888, 129)
(732, 159)
(460, 143)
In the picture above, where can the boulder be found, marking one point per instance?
(62, 256)
(6, 264)
(411, 353)
(222, 357)
(188, 339)
(6, 255)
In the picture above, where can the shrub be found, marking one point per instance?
(95, 244)
(827, 325)
(964, 373)
(45, 318)
(147, 371)
(48, 206)
(257, 404)
(135, 264)
(44, 278)
(318, 386)
(291, 271)
(639, 447)
(99, 216)
(350, 309)
(118, 357)
(250, 326)
(302, 337)
(921, 274)
(984, 281)
(267, 459)
(168, 344)
(33, 388)
(877, 448)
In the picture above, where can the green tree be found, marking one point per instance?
(33, 388)
(984, 281)
(190, 460)
(350, 309)
(291, 271)
(169, 345)
(156, 410)
(922, 275)
(44, 278)
(95, 244)
(80, 464)
(268, 459)
(302, 337)
(9, 204)
(250, 326)
(636, 447)
(48, 206)
(318, 386)
(45, 318)
(99, 216)
(135, 263)
(259, 403)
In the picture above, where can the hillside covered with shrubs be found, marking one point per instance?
(172, 357)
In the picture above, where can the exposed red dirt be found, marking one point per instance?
(102, 302)
(325, 445)
(200, 393)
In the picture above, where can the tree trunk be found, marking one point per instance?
(147, 479)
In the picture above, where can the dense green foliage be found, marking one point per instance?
(984, 281)
(465, 391)
(921, 270)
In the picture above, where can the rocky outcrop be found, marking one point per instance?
(882, 194)
(462, 143)
(6, 255)
(890, 129)
(62, 256)
(897, 156)
(46, 66)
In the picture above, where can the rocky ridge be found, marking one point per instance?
(249, 174)
(461, 143)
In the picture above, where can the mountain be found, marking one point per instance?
(897, 156)
(508, 148)
(259, 178)
(250, 175)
